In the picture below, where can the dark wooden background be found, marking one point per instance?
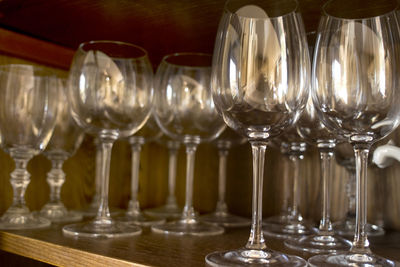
(48, 32)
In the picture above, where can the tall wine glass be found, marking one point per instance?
(260, 84)
(28, 112)
(66, 139)
(170, 210)
(185, 111)
(221, 215)
(356, 95)
(311, 129)
(345, 156)
(110, 93)
(134, 215)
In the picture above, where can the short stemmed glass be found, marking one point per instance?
(185, 111)
(221, 215)
(356, 95)
(66, 139)
(345, 156)
(28, 110)
(170, 210)
(134, 215)
(260, 84)
(110, 92)
(311, 129)
(293, 225)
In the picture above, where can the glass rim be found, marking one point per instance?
(325, 13)
(293, 11)
(38, 71)
(141, 49)
(178, 54)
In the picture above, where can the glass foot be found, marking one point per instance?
(91, 211)
(288, 230)
(139, 219)
(58, 214)
(319, 244)
(351, 259)
(166, 211)
(225, 219)
(347, 228)
(18, 221)
(111, 229)
(188, 227)
(253, 257)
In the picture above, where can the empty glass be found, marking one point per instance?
(66, 139)
(356, 95)
(260, 84)
(185, 111)
(110, 93)
(28, 110)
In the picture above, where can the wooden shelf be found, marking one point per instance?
(148, 249)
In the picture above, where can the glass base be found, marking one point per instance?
(347, 228)
(253, 257)
(225, 219)
(59, 214)
(91, 211)
(288, 230)
(319, 244)
(139, 219)
(188, 227)
(20, 221)
(351, 259)
(166, 211)
(112, 229)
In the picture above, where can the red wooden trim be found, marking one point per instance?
(36, 50)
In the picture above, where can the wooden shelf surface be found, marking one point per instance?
(148, 249)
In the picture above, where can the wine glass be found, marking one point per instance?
(260, 85)
(150, 132)
(185, 111)
(66, 139)
(170, 209)
(345, 157)
(221, 215)
(310, 128)
(110, 93)
(91, 210)
(356, 94)
(28, 110)
(293, 225)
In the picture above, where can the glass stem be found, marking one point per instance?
(351, 195)
(55, 179)
(285, 209)
(136, 147)
(256, 239)
(173, 148)
(20, 179)
(296, 175)
(96, 198)
(361, 243)
(103, 214)
(188, 211)
(223, 151)
(326, 152)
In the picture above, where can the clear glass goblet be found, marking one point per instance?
(345, 157)
(170, 210)
(28, 110)
(111, 94)
(260, 85)
(66, 139)
(150, 132)
(221, 215)
(311, 129)
(185, 111)
(356, 95)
